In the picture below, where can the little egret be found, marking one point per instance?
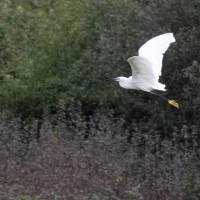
(146, 68)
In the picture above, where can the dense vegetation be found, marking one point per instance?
(66, 132)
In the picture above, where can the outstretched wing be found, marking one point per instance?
(141, 68)
(154, 49)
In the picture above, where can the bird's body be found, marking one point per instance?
(134, 83)
(147, 66)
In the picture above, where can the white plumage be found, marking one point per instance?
(147, 66)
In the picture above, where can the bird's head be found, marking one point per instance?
(124, 82)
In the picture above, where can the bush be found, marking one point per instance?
(94, 160)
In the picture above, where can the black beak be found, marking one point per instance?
(114, 79)
(110, 79)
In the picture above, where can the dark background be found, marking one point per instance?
(68, 133)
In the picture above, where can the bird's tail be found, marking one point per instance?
(160, 86)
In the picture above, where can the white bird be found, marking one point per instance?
(146, 68)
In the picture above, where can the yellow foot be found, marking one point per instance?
(173, 103)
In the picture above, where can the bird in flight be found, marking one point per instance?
(146, 67)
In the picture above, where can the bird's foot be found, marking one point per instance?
(173, 103)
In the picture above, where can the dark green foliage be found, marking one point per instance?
(65, 50)
(79, 135)
(43, 49)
